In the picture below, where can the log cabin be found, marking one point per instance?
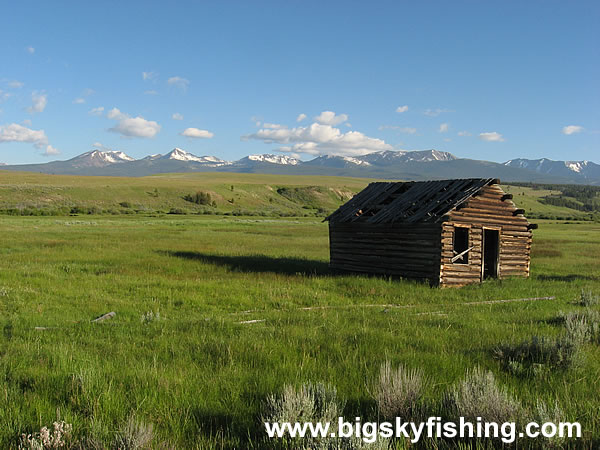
(448, 232)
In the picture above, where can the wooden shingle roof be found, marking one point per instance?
(410, 202)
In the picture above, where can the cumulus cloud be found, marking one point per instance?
(149, 75)
(407, 130)
(464, 133)
(436, 112)
(401, 109)
(572, 129)
(444, 128)
(330, 118)
(300, 117)
(39, 102)
(30, 50)
(179, 82)
(177, 116)
(13, 132)
(273, 126)
(79, 101)
(132, 126)
(491, 136)
(196, 133)
(51, 151)
(101, 147)
(319, 139)
(15, 84)
(96, 111)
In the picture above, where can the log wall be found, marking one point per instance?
(486, 210)
(408, 251)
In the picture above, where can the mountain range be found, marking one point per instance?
(406, 165)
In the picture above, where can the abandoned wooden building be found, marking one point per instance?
(449, 232)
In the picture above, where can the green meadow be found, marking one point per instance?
(216, 312)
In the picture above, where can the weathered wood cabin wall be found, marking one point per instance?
(491, 209)
(409, 251)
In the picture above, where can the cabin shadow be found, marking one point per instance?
(257, 263)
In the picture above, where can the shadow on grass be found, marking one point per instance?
(257, 263)
(571, 277)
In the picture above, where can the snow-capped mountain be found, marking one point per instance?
(572, 169)
(269, 158)
(337, 161)
(389, 156)
(97, 158)
(181, 155)
(406, 165)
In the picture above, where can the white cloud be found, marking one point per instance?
(401, 109)
(436, 112)
(273, 126)
(300, 117)
(319, 139)
(79, 101)
(15, 84)
(51, 151)
(86, 93)
(151, 92)
(27, 122)
(464, 133)
(177, 116)
(13, 132)
(96, 111)
(101, 147)
(491, 136)
(149, 75)
(444, 127)
(4, 95)
(196, 133)
(407, 130)
(30, 49)
(132, 126)
(179, 82)
(572, 129)
(39, 102)
(330, 118)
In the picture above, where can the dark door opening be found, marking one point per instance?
(491, 251)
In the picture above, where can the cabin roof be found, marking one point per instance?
(408, 202)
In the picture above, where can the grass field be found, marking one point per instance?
(23, 193)
(198, 375)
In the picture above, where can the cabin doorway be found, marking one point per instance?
(491, 252)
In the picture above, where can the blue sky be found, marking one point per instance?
(483, 80)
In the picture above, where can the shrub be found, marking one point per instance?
(587, 298)
(399, 392)
(583, 326)
(478, 395)
(200, 198)
(134, 435)
(538, 355)
(177, 211)
(150, 316)
(544, 413)
(314, 403)
(311, 403)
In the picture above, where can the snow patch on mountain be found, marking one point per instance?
(274, 159)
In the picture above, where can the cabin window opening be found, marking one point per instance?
(461, 246)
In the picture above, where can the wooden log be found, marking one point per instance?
(104, 317)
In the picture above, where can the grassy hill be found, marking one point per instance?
(270, 195)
